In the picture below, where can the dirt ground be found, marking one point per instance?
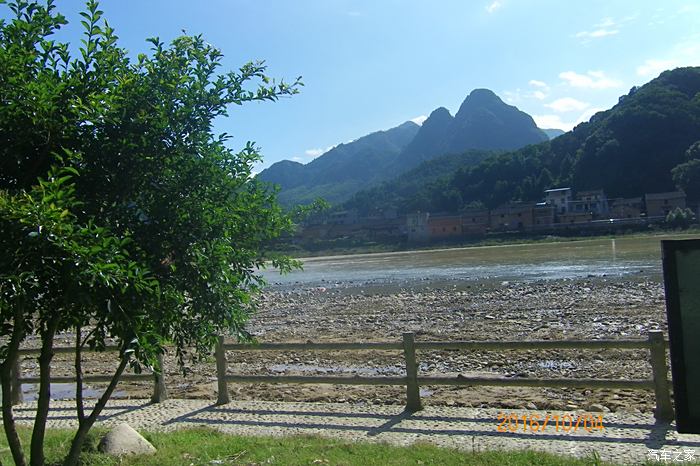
(589, 309)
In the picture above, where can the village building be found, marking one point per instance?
(417, 227)
(343, 217)
(543, 215)
(593, 202)
(512, 217)
(558, 198)
(475, 222)
(660, 204)
(445, 226)
(575, 217)
(383, 228)
(626, 207)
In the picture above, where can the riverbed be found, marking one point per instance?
(592, 289)
(635, 257)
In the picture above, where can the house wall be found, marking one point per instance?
(659, 205)
(445, 227)
(510, 218)
(475, 222)
(417, 227)
(626, 208)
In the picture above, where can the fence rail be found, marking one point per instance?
(655, 343)
(160, 392)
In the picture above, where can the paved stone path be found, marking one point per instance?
(626, 438)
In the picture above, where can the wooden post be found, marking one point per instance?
(16, 385)
(412, 390)
(160, 391)
(664, 410)
(221, 364)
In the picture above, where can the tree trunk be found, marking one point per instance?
(8, 419)
(44, 398)
(79, 375)
(87, 423)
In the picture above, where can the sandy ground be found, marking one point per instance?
(588, 309)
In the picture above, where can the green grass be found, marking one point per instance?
(208, 447)
(348, 246)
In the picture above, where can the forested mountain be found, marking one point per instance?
(343, 170)
(628, 151)
(414, 189)
(483, 122)
(553, 132)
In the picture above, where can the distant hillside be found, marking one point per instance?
(483, 122)
(553, 132)
(343, 170)
(628, 150)
(414, 189)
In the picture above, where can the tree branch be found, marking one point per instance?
(79, 376)
(8, 419)
(84, 427)
(44, 399)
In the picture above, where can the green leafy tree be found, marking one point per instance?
(122, 216)
(680, 218)
(686, 175)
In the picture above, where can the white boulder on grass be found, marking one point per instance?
(124, 440)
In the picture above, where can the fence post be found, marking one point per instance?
(220, 354)
(657, 346)
(16, 385)
(160, 392)
(412, 390)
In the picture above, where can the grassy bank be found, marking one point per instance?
(202, 446)
(347, 246)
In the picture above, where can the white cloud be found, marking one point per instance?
(539, 95)
(654, 67)
(585, 116)
(419, 119)
(606, 22)
(493, 6)
(297, 159)
(313, 152)
(597, 33)
(552, 121)
(607, 26)
(567, 104)
(590, 80)
(555, 121)
(540, 84)
(682, 54)
(512, 97)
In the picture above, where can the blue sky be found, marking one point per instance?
(373, 64)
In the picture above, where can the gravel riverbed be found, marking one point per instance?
(552, 310)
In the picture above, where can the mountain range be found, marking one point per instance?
(643, 144)
(649, 142)
(482, 123)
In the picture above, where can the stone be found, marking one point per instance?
(598, 408)
(124, 440)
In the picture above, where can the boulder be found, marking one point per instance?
(124, 440)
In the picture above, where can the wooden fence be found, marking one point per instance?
(655, 343)
(160, 392)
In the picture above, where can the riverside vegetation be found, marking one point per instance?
(141, 226)
(203, 446)
(145, 229)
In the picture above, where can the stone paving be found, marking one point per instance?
(625, 438)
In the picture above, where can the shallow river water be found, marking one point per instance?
(621, 257)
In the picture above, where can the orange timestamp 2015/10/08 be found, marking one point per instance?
(536, 423)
